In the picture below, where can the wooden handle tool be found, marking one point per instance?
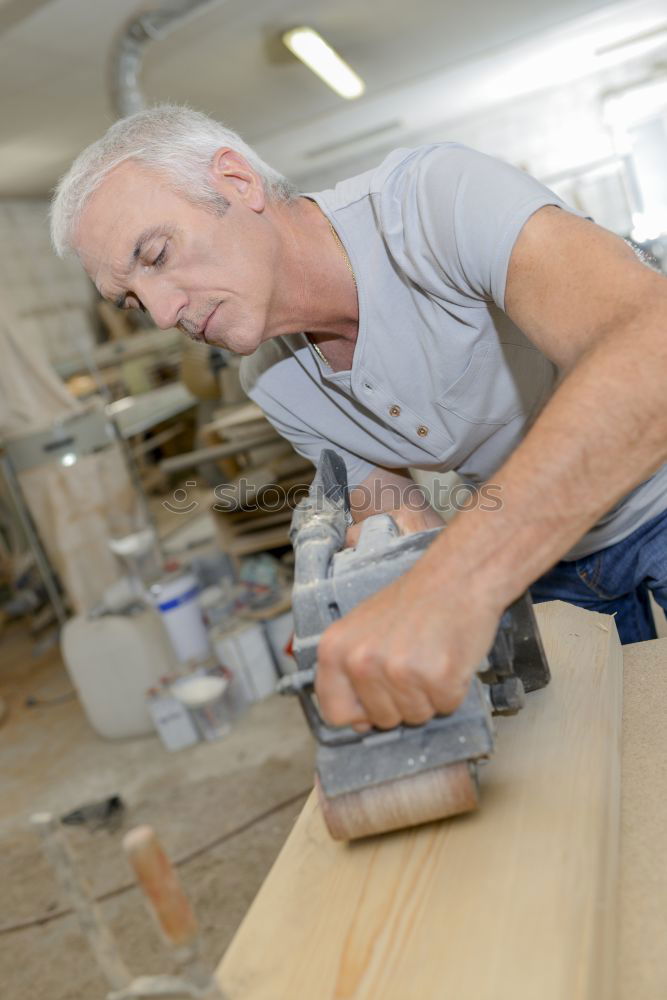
(161, 886)
(167, 901)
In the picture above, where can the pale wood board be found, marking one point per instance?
(642, 945)
(515, 902)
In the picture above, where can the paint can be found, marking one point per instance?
(173, 722)
(242, 647)
(177, 600)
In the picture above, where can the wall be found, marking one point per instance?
(51, 298)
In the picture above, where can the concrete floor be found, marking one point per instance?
(256, 778)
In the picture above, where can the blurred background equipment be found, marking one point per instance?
(64, 472)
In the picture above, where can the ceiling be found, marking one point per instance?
(424, 62)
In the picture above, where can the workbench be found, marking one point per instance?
(642, 941)
(534, 896)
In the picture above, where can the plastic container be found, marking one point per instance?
(112, 662)
(177, 600)
(245, 651)
(173, 722)
(217, 603)
(204, 697)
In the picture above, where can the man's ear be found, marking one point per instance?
(229, 168)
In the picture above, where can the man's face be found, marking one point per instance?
(210, 275)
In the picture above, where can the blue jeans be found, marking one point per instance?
(616, 580)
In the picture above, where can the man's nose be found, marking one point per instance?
(165, 305)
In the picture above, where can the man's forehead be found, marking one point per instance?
(129, 196)
(129, 175)
(121, 217)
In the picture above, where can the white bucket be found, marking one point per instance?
(177, 600)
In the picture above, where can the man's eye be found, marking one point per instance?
(161, 257)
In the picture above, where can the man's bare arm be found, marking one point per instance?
(387, 491)
(585, 299)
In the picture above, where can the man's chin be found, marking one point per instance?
(237, 344)
(198, 338)
(247, 349)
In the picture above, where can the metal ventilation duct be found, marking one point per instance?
(128, 51)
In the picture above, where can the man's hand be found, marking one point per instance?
(398, 657)
(408, 652)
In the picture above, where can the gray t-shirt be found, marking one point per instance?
(441, 378)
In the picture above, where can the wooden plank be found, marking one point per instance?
(641, 967)
(223, 450)
(259, 541)
(251, 520)
(514, 902)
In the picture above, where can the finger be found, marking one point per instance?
(338, 702)
(383, 703)
(405, 686)
(376, 700)
(447, 690)
(361, 727)
(415, 706)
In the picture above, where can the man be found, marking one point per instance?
(442, 311)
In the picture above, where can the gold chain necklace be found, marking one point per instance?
(343, 251)
(351, 270)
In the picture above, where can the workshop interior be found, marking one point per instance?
(178, 818)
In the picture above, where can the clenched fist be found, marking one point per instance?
(408, 652)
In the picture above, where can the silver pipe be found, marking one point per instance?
(128, 50)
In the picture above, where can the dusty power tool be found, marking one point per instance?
(387, 779)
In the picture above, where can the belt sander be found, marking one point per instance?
(384, 780)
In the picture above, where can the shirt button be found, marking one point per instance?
(394, 411)
(422, 431)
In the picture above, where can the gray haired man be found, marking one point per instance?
(443, 311)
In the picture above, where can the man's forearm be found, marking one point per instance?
(603, 432)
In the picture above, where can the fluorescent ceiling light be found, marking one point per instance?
(311, 49)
